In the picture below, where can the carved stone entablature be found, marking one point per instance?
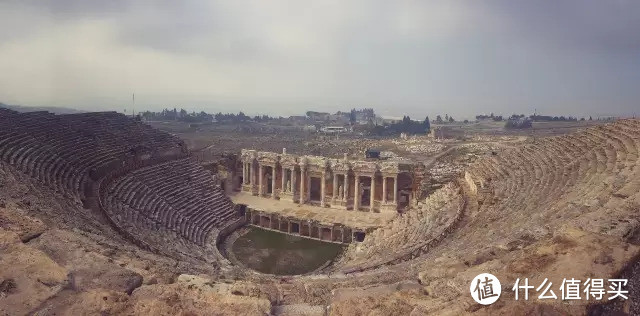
(268, 158)
(389, 167)
(248, 155)
(316, 163)
(340, 165)
(288, 161)
(319, 164)
(364, 167)
(302, 162)
(395, 167)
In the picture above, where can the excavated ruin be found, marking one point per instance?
(100, 213)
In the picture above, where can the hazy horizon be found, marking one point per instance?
(283, 58)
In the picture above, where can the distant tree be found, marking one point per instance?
(352, 116)
(406, 125)
(439, 118)
(451, 120)
(242, 117)
(466, 121)
(446, 117)
(590, 118)
(426, 124)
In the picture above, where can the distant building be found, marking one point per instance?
(318, 116)
(298, 118)
(333, 129)
(518, 122)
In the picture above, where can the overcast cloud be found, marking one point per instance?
(285, 57)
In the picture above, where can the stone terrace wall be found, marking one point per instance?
(408, 235)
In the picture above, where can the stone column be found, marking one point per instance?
(248, 173)
(322, 189)
(251, 172)
(302, 181)
(356, 193)
(244, 172)
(283, 183)
(307, 196)
(334, 195)
(345, 186)
(384, 189)
(373, 193)
(273, 182)
(395, 190)
(260, 180)
(293, 181)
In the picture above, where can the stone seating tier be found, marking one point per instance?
(585, 178)
(178, 195)
(60, 150)
(175, 202)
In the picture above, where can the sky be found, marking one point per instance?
(417, 58)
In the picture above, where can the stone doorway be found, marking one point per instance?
(326, 233)
(269, 180)
(295, 228)
(365, 196)
(315, 189)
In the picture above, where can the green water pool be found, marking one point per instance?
(282, 254)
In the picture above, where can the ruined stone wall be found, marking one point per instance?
(407, 233)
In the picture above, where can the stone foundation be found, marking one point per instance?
(303, 228)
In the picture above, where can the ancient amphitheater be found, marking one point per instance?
(100, 213)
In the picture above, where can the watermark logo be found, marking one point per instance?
(573, 289)
(485, 288)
